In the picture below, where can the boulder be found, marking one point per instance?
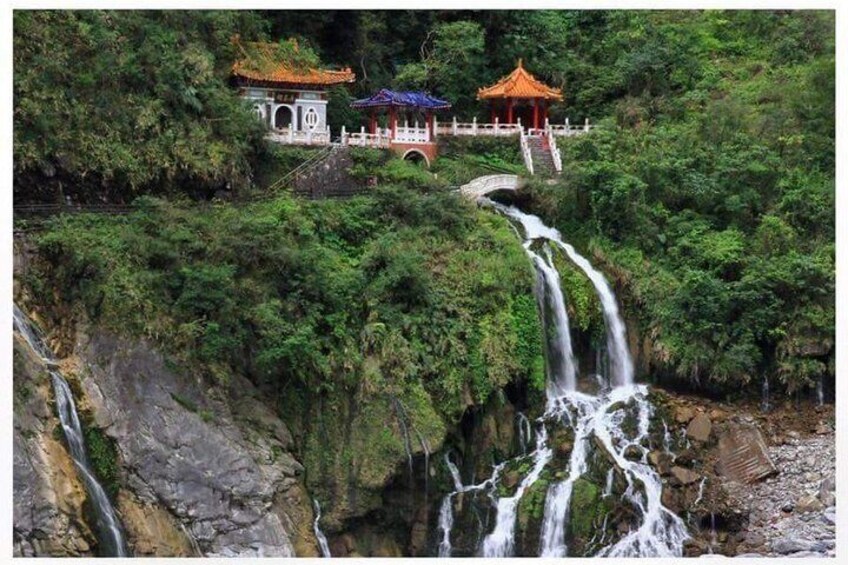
(809, 503)
(632, 453)
(787, 545)
(699, 428)
(661, 461)
(754, 539)
(827, 491)
(683, 414)
(829, 516)
(683, 475)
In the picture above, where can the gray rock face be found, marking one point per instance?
(216, 466)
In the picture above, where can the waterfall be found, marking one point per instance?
(108, 527)
(501, 541)
(319, 535)
(621, 365)
(446, 525)
(661, 533)
(558, 498)
(525, 432)
(562, 367)
(666, 439)
(765, 402)
(446, 509)
(608, 485)
(820, 390)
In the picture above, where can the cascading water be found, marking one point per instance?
(562, 367)
(109, 529)
(525, 431)
(661, 533)
(319, 535)
(558, 497)
(501, 541)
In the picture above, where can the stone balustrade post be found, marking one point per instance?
(474, 126)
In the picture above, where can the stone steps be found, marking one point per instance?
(543, 163)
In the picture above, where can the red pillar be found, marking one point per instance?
(509, 110)
(493, 114)
(544, 111)
(373, 125)
(430, 124)
(536, 113)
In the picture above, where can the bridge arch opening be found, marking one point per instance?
(416, 156)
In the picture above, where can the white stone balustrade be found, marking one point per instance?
(288, 136)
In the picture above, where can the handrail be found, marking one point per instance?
(525, 152)
(303, 167)
(555, 154)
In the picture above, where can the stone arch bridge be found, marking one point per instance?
(481, 186)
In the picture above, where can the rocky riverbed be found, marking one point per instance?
(790, 511)
(794, 512)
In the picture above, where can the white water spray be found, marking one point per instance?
(319, 535)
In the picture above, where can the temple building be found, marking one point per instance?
(410, 122)
(520, 96)
(291, 101)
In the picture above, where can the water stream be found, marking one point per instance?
(108, 527)
(599, 418)
(319, 535)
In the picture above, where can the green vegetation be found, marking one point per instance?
(103, 457)
(708, 196)
(394, 295)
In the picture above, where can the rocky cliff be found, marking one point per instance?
(197, 471)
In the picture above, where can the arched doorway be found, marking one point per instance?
(282, 117)
(417, 157)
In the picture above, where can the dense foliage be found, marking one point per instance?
(374, 295)
(707, 194)
(711, 200)
(122, 102)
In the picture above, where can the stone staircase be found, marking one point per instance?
(543, 163)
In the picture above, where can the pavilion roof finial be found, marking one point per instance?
(520, 63)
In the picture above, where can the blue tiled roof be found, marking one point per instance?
(386, 97)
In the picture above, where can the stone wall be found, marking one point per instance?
(330, 178)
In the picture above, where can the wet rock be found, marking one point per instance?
(787, 507)
(632, 453)
(750, 555)
(805, 554)
(684, 476)
(48, 495)
(661, 461)
(699, 428)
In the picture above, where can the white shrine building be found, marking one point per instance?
(291, 101)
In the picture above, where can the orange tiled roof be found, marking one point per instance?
(519, 84)
(282, 71)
